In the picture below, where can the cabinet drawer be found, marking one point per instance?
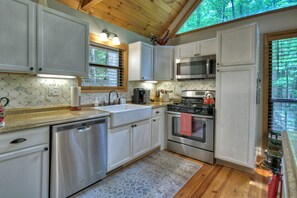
(23, 139)
(158, 111)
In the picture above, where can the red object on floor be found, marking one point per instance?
(75, 108)
(186, 124)
(273, 186)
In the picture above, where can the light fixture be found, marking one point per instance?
(116, 40)
(151, 81)
(55, 76)
(106, 35)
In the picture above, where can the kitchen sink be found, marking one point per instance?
(126, 113)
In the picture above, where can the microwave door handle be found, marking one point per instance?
(207, 66)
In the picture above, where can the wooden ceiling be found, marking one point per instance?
(140, 16)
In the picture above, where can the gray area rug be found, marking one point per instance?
(160, 174)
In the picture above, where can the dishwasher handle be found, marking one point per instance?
(83, 129)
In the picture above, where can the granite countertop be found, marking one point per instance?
(26, 120)
(289, 141)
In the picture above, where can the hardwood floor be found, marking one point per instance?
(221, 181)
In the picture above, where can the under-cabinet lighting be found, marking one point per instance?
(54, 76)
(151, 81)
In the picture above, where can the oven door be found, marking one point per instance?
(202, 131)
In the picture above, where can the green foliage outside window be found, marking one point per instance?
(211, 12)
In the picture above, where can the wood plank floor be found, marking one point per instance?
(221, 181)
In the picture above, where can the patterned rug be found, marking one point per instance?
(160, 174)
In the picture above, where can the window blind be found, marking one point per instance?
(282, 94)
(105, 67)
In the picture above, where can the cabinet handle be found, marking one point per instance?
(45, 149)
(40, 69)
(157, 112)
(154, 120)
(218, 70)
(19, 140)
(31, 68)
(218, 63)
(135, 125)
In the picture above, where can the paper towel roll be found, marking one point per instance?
(75, 96)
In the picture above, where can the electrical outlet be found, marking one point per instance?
(54, 91)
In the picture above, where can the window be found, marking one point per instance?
(212, 12)
(280, 82)
(107, 68)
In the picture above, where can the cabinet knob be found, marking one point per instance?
(45, 149)
(31, 68)
(40, 69)
(142, 77)
(154, 120)
(157, 112)
(18, 140)
(218, 70)
(218, 63)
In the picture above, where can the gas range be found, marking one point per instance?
(192, 102)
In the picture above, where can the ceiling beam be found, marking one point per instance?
(88, 4)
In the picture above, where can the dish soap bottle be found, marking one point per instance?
(96, 102)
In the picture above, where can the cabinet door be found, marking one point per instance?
(237, 46)
(235, 115)
(17, 48)
(146, 62)
(62, 43)
(208, 47)
(141, 138)
(163, 62)
(119, 147)
(188, 50)
(24, 173)
(155, 132)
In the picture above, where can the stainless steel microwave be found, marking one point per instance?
(196, 67)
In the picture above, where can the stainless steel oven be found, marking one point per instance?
(200, 144)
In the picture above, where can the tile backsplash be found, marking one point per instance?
(31, 91)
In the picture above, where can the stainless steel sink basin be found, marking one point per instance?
(126, 113)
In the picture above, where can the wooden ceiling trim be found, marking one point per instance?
(88, 4)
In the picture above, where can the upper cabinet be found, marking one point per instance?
(62, 43)
(163, 62)
(237, 46)
(45, 41)
(199, 48)
(18, 36)
(140, 61)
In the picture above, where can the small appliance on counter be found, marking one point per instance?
(141, 96)
(75, 98)
(2, 112)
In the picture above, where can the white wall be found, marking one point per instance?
(274, 22)
(97, 25)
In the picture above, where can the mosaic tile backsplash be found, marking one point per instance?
(31, 91)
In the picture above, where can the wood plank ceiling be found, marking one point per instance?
(140, 16)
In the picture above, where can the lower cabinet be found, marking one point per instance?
(127, 142)
(158, 128)
(24, 163)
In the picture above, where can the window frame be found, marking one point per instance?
(196, 4)
(97, 89)
(265, 111)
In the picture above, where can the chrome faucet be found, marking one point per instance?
(109, 103)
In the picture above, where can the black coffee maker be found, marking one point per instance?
(139, 96)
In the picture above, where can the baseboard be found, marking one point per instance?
(235, 166)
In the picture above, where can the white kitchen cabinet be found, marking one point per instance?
(235, 115)
(140, 61)
(163, 62)
(62, 45)
(119, 149)
(198, 48)
(187, 50)
(127, 142)
(237, 46)
(158, 128)
(208, 47)
(24, 163)
(18, 36)
(141, 138)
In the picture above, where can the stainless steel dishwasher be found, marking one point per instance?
(78, 156)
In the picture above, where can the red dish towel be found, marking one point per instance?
(186, 124)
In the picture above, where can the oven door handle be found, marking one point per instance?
(193, 115)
